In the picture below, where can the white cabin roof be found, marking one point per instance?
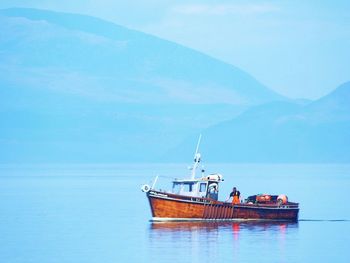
(211, 177)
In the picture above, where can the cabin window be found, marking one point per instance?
(202, 187)
(188, 187)
(176, 188)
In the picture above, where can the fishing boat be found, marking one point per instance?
(196, 199)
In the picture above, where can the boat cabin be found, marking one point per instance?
(205, 187)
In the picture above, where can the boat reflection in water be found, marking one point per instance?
(218, 241)
(234, 227)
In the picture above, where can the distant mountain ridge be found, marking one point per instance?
(130, 65)
(335, 105)
(80, 89)
(283, 132)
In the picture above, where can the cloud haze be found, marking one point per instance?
(225, 9)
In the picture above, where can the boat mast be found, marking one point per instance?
(197, 158)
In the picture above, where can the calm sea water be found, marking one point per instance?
(97, 213)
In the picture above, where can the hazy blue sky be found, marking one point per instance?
(298, 48)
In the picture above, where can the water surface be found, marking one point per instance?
(97, 213)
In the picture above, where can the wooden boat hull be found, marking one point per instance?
(166, 206)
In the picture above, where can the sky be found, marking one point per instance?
(298, 48)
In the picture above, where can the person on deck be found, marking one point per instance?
(235, 194)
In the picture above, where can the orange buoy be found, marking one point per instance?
(282, 199)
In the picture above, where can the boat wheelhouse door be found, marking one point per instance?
(213, 190)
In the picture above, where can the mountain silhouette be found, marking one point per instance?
(283, 132)
(80, 89)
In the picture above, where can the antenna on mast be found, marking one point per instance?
(197, 158)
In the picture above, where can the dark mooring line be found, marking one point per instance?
(324, 220)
